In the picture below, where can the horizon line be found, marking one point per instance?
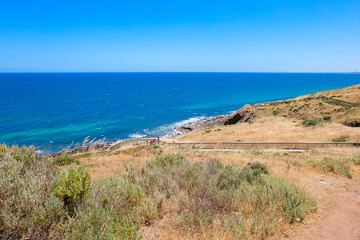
(351, 72)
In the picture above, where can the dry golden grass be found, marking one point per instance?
(349, 94)
(272, 129)
(281, 122)
(113, 163)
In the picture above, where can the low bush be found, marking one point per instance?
(341, 139)
(257, 152)
(85, 155)
(345, 105)
(276, 112)
(39, 201)
(72, 186)
(26, 209)
(354, 159)
(308, 123)
(205, 192)
(66, 161)
(315, 122)
(334, 96)
(333, 166)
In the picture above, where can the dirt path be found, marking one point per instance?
(341, 220)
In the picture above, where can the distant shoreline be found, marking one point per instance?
(134, 106)
(192, 127)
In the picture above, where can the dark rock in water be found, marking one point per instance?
(185, 129)
(244, 114)
(212, 122)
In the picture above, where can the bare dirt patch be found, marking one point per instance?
(341, 218)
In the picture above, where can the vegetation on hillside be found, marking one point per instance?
(333, 166)
(39, 200)
(317, 110)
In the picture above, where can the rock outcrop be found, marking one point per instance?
(244, 114)
(212, 122)
(355, 123)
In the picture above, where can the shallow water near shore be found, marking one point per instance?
(65, 108)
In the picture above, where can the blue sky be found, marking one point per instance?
(219, 36)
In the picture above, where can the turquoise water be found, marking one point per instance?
(65, 108)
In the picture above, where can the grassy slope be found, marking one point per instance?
(349, 94)
(282, 122)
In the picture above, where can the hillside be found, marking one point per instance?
(288, 121)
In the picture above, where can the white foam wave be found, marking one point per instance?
(137, 135)
(169, 130)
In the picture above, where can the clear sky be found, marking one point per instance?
(157, 35)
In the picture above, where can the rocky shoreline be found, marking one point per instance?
(244, 114)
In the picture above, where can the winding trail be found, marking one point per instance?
(341, 220)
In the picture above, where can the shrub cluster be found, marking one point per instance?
(205, 192)
(354, 159)
(316, 122)
(66, 161)
(40, 201)
(341, 139)
(275, 112)
(333, 166)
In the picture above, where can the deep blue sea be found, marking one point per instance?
(65, 108)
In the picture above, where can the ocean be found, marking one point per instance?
(57, 110)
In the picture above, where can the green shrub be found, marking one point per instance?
(308, 123)
(257, 152)
(333, 166)
(96, 222)
(207, 130)
(72, 186)
(257, 167)
(315, 122)
(34, 196)
(85, 155)
(66, 161)
(347, 106)
(341, 139)
(218, 130)
(26, 210)
(354, 159)
(276, 112)
(23, 154)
